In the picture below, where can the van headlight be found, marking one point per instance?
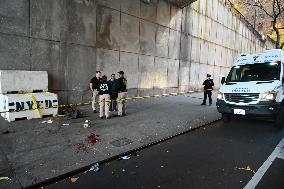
(220, 96)
(269, 96)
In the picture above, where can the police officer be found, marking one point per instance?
(113, 92)
(122, 93)
(208, 87)
(104, 97)
(94, 86)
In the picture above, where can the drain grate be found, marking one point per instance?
(121, 142)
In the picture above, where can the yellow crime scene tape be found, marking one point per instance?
(37, 108)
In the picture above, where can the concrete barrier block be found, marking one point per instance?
(146, 70)
(163, 13)
(149, 10)
(62, 96)
(45, 56)
(215, 7)
(186, 20)
(129, 64)
(107, 61)
(203, 32)
(14, 53)
(184, 72)
(203, 7)
(81, 16)
(131, 7)
(76, 96)
(148, 37)
(161, 73)
(22, 81)
(176, 18)
(108, 28)
(204, 52)
(14, 17)
(186, 45)
(24, 105)
(173, 73)
(211, 54)
(47, 19)
(217, 76)
(209, 10)
(194, 29)
(195, 55)
(110, 4)
(174, 44)
(194, 76)
(129, 35)
(81, 67)
(162, 41)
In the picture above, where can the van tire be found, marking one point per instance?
(279, 120)
(226, 118)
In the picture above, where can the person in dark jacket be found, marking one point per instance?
(113, 92)
(122, 93)
(208, 88)
(94, 86)
(104, 97)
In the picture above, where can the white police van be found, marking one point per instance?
(254, 87)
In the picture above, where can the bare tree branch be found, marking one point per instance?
(260, 6)
(279, 7)
(273, 7)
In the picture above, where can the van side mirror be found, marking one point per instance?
(223, 80)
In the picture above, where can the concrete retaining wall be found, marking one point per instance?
(161, 48)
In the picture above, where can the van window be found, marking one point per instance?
(255, 72)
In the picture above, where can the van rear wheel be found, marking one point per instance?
(226, 118)
(279, 120)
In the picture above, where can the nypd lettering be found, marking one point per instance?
(29, 105)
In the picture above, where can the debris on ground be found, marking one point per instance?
(87, 124)
(4, 178)
(65, 124)
(72, 113)
(247, 168)
(95, 168)
(89, 141)
(48, 121)
(125, 157)
(7, 132)
(81, 147)
(92, 139)
(74, 179)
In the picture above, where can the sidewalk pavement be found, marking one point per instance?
(32, 151)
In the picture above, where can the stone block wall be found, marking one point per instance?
(161, 47)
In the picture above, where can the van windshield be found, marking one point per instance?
(255, 72)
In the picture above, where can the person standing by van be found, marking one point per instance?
(94, 86)
(104, 97)
(208, 88)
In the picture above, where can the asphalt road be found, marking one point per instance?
(215, 156)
